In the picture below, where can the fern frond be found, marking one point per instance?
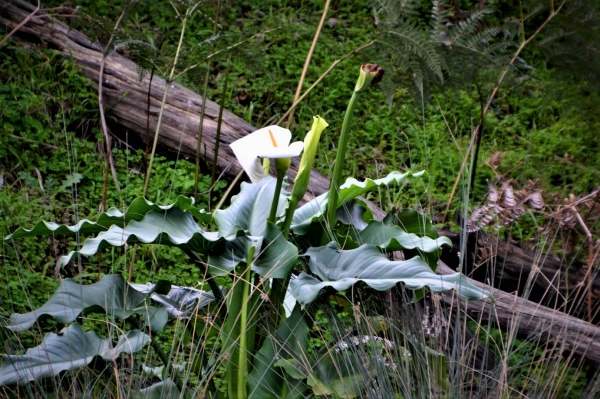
(393, 11)
(439, 21)
(466, 26)
(409, 38)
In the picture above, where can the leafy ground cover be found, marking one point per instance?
(542, 122)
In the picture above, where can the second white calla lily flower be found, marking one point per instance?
(269, 142)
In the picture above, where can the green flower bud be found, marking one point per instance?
(369, 74)
(311, 143)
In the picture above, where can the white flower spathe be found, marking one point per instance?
(269, 142)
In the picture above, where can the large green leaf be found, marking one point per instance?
(352, 188)
(341, 269)
(71, 349)
(267, 380)
(139, 208)
(249, 210)
(277, 256)
(111, 294)
(242, 226)
(171, 227)
(274, 258)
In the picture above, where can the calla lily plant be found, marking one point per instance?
(260, 354)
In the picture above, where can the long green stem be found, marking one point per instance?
(235, 331)
(275, 203)
(242, 371)
(338, 167)
(369, 73)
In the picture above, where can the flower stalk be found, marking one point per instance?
(369, 74)
(311, 142)
(281, 166)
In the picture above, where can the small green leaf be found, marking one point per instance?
(155, 317)
(267, 381)
(352, 188)
(355, 213)
(72, 179)
(393, 238)
(345, 371)
(412, 221)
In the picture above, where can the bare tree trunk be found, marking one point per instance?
(125, 94)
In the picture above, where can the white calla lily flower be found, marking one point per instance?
(269, 142)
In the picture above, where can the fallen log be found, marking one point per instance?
(540, 277)
(559, 330)
(126, 95)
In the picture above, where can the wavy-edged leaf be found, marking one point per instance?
(139, 208)
(341, 269)
(111, 294)
(393, 238)
(71, 349)
(352, 188)
(172, 227)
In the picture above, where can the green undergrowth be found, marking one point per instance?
(52, 167)
(535, 121)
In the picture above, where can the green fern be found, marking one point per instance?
(439, 52)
